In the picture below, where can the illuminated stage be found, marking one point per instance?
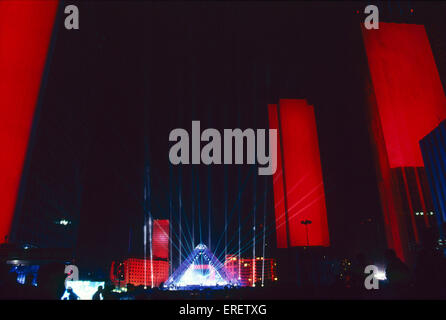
(200, 269)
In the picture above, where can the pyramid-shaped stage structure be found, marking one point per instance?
(201, 268)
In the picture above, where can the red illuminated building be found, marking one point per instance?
(160, 239)
(25, 32)
(140, 271)
(298, 185)
(406, 102)
(256, 271)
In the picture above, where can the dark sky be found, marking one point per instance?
(135, 71)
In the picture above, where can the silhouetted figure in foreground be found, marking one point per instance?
(108, 293)
(72, 295)
(98, 294)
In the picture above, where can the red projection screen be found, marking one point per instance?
(299, 176)
(407, 86)
(279, 203)
(407, 102)
(160, 239)
(25, 32)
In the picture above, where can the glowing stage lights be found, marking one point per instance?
(380, 275)
(200, 269)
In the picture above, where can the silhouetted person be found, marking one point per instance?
(72, 295)
(97, 295)
(107, 293)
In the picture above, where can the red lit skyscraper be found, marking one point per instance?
(139, 271)
(406, 102)
(160, 239)
(298, 186)
(25, 33)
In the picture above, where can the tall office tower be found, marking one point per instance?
(433, 148)
(160, 239)
(299, 197)
(406, 101)
(24, 38)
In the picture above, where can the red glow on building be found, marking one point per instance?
(139, 272)
(160, 239)
(25, 32)
(409, 94)
(252, 271)
(299, 176)
(407, 102)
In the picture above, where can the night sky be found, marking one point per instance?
(135, 71)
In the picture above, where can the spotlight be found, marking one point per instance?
(380, 275)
